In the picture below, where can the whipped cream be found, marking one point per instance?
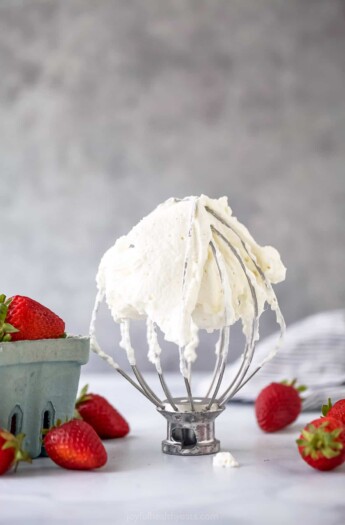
(225, 460)
(188, 265)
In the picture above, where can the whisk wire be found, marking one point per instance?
(216, 368)
(147, 389)
(222, 347)
(249, 349)
(189, 393)
(167, 391)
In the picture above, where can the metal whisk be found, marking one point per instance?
(191, 420)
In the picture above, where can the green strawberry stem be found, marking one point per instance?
(6, 329)
(83, 396)
(317, 440)
(15, 442)
(326, 408)
(301, 388)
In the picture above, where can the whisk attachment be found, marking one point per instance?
(191, 419)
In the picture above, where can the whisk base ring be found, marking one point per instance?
(190, 433)
(176, 449)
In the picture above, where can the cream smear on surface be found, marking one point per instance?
(189, 265)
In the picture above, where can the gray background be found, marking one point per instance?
(109, 107)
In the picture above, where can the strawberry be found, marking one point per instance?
(23, 318)
(75, 445)
(322, 443)
(337, 410)
(278, 405)
(11, 451)
(101, 415)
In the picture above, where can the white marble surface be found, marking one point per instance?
(141, 485)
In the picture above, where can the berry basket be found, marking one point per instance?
(38, 385)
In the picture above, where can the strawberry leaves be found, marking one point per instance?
(9, 442)
(318, 441)
(6, 329)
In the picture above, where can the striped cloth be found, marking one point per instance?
(313, 351)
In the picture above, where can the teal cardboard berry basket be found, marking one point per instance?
(38, 385)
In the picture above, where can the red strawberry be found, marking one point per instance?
(337, 410)
(75, 445)
(23, 318)
(322, 443)
(278, 405)
(10, 451)
(101, 415)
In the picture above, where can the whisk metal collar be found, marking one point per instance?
(190, 433)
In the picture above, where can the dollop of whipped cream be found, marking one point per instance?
(225, 460)
(189, 265)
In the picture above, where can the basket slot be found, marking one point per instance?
(15, 420)
(48, 416)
